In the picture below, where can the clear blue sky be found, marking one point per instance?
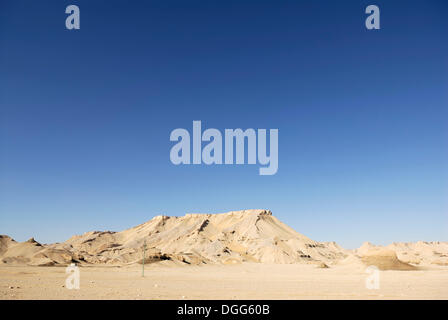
(362, 115)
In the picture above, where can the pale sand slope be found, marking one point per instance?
(228, 238)
(404, 256)
(422, 253)
(233, 237)
(168, 280)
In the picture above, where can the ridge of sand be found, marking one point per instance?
(225, 238)
(422, 252)
(381, 257)
(233, 237)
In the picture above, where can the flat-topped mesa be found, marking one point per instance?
(249, 212)
(197, 215)
(253, 235)
(258, 212)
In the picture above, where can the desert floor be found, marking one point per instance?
(243, 281)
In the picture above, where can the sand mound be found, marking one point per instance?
(422, 253)
(382, 258)
(227, 238)
(410, 253)
(32, 252)
(20, 252)
(5, 243)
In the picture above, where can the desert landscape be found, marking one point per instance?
(246, 254)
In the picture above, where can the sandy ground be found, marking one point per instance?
(242, 281)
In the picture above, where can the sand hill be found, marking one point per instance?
(422, 253)
(227, 238)
(382, 258)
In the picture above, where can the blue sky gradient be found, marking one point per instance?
(85, 116)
